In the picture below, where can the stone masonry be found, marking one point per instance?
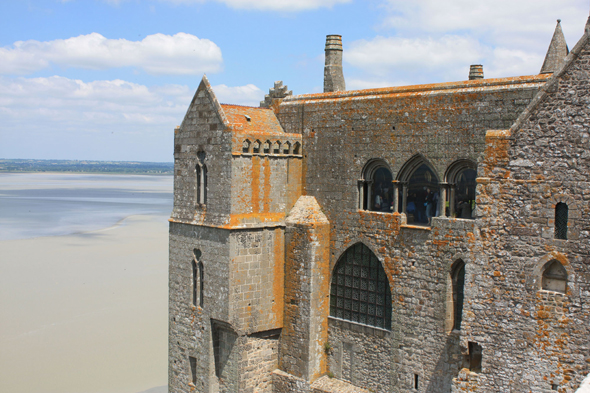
(430, 238)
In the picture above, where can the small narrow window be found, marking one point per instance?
(561, 213)
(475, 356)
(416, 381)
(267, 147)
(276, 148)
(458, 277)
(256, 147)
(197, 267)
(287, 148)
(195, 283)
(246, 146)
(197, 184)
(296, 148)
(204, 185)
(201, 286)
(554, 277)
(193, 363)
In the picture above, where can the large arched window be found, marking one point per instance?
(360, 289)
(420, 193)
(554, 277)
(461, 181)
(561, 217)
(376, 188)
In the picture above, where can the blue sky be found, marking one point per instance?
(109, 80)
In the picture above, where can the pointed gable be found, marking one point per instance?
(205, 98)
(557, 51)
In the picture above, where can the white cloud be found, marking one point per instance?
(435, 41)
(160, 54)
(261, 5)
(58, 117)
(386, 55)
(240, 95)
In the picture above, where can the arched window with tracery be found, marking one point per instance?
(420, 192)
(554, 277)
(360, 289)
(561, 218)
(461, 182)
(376, 188)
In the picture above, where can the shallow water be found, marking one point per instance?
(50, 204)
(83, 302)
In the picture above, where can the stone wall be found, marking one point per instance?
(539, 338)
(190, 330)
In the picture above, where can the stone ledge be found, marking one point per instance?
(332, 385)
(358, 327)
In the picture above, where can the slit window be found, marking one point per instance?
(561, 218)
(198, 276)
(193, 364)
(200, 180)
(458, 278)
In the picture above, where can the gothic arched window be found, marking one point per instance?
(421, 193)
(561, 213)
(461, 179)
(376, 191)
(554, 277)
(360, 289)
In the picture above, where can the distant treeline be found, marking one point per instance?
(135, 167)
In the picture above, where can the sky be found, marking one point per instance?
(110, 79)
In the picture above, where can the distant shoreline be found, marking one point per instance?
(86, 166)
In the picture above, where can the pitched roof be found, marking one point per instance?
(557, 51)
(251, 119)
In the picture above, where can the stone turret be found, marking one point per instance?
(557, 51)
(333, 76)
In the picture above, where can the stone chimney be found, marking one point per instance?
(333, 76)
(475, 72)
(557, 51)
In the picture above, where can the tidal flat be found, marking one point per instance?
(85, 308)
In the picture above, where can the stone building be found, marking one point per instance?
(429, 238)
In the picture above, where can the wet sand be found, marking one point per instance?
(86, 312)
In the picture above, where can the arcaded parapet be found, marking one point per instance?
(307, 278)
(534, 207)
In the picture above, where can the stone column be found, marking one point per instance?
(361, 186)
(369, 194)
(442, 199)
(404, 196)
(452, 188)
(307, 290)
(396, 184)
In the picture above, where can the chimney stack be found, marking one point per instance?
(475, 72)
(333, 76)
